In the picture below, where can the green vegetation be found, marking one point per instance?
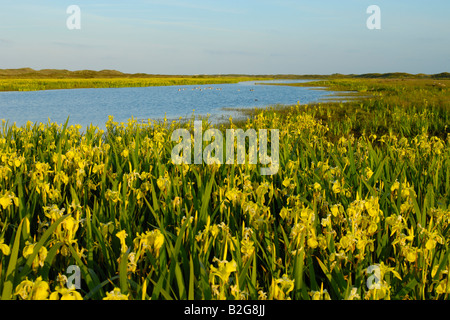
(383, 106)
(27, 79)
(50, 84)
(363, 187)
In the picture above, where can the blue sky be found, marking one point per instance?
(218, 36)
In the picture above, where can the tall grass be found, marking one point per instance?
(50, 84)
(400, 106)
(139, 227)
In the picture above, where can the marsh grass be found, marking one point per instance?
(380, 106)
(78, 83)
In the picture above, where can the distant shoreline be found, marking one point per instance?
(27, 79)
(18, 84)
(29, 73)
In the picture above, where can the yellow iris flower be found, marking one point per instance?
(4, 248)
(29, 290)
(122, 235)
(115, 294)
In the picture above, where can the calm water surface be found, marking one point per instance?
(92, 106)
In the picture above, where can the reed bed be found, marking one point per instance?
(53, 84)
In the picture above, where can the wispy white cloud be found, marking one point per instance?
(6, 42)
(211, 8)
(231, 52)
(76, 45)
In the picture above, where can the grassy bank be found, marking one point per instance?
(383, 106)
(359, 208)
(27, 79)
(51, 84)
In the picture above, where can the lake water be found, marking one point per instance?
(92, 106)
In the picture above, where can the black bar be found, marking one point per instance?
(198, 309)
